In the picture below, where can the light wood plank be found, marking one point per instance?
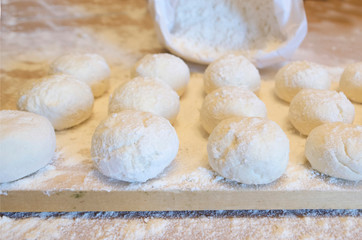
(34, 201)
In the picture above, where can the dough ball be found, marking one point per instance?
(147, 95)
(169, 68)
(61, 98)
(351, 82)
(336, 150)
(133, 146)
(249, 150)
(312, 107)
(27, 143)
(226, 102)
(299, 75)
(89, 68)
(231, 70)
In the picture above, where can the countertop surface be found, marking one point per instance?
(34, 33)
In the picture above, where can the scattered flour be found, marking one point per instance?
(240, 224)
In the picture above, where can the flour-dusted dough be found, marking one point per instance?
(148, 95)
(89, 68)
(249, 150)
(169, 68)
(351, 82)
(313, 107)
(61, 98)
(336, 150)
(27, 143)
(299, 75)
(226, 102)
(134, 146)
(231, 70)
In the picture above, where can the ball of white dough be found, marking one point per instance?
(134, 146)
(226, 102)
(313, 107)
(61, 98)
(27, 143)
(299, 75)
(351, 82)
(147, 95)
(89, 68)
(231, 70)
(249, 150)
(168, 68)
(336, 150)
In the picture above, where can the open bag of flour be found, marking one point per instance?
(265, 31)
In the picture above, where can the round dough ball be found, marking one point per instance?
(336, 150)
(89, 68)
(351, 82)
(231, 70)
(27, 143)
(134, 146)
(249, 150)
(61, 98)
(147, 95)
(226, 102)
(313, 107)
(169, 68)
(299, 75)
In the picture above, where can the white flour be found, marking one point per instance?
(213, 27)
(244, 224)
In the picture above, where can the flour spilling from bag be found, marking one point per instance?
(201, 31)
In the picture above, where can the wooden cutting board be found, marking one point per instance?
(71, 183)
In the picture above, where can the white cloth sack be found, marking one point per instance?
(290, 16)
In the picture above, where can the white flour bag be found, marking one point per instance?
(265, 31)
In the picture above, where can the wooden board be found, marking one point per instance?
(36, 201)
(62, 185)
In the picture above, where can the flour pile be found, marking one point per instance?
(212, 28)
(202, 31)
